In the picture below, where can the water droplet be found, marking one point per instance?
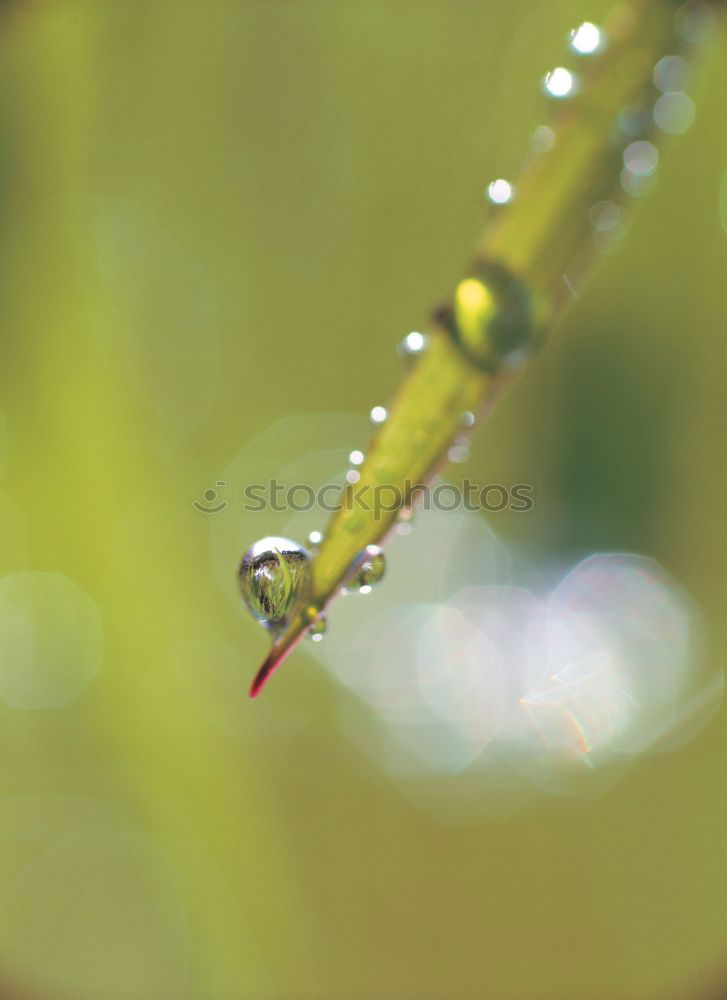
(586, 39)
(696, 22)
(353, 476)
(543, 138)
(674, 112)
(641, 158)
(500, 191)
(403, 528)
(315, 538)
(605, 216)
(493, 316)
(560, 83)
(637, 185)
(459, 452)
(413, 344)
(671, 73)
(275, 578)
(467, 419)
(317, 623)
(371, 569)
(378, 415)
(356, 458)
(405, 515)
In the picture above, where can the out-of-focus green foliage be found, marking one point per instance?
(217, 215)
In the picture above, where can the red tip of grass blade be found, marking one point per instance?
(283, 645)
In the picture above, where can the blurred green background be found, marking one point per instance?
(215, 215)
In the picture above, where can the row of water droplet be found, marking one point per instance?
(275, 574)
(668, 108)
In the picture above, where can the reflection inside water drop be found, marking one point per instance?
(275, 578)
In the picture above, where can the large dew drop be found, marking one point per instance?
(275, 579)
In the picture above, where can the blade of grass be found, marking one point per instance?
(535, 250)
